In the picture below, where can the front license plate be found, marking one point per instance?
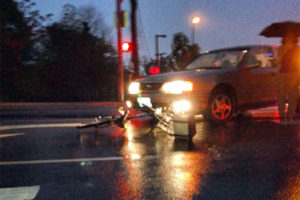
(144, 101)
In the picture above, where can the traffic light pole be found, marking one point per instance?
(120, 54)
(156, 50)
(134, 55)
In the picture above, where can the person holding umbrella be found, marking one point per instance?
(288, 76)
(288, 62)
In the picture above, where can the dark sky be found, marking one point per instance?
(224, 23)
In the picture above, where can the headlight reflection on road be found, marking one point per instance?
(133, 150)
(132, 177)
(183, 176)
(178, 172)
(178, 159)
(182, 172)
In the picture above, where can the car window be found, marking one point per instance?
(205, 60)
(262, 57)
(220, 59)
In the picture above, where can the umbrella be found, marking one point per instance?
(280, 29)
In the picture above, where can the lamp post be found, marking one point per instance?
(195, 20)
(157, 46)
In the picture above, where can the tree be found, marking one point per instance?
(167, 64)
(14, 48)
(80, 65)
(36, 23)
(182, 51)
(83, 17)
(20, 27)
(15, 35)
(70, 60)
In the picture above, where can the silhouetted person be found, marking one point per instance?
(288, 76)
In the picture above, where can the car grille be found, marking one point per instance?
(150, 86)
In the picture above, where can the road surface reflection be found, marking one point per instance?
(237, 160)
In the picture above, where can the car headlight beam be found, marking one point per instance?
(177, 87)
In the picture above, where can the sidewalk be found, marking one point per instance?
(59, 109)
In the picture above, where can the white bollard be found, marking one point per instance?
(184, 126)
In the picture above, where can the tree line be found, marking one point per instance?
(72, 59)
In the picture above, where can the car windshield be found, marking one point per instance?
(219, 59)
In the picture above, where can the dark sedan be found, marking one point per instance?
(217, 84)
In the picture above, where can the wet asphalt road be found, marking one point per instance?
(252, 158)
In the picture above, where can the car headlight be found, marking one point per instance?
(181, 106)
(177, 87)
(134, 88)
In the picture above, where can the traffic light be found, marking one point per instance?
(154, 70)
(126, 47)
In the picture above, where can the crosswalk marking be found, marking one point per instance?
(19, 193)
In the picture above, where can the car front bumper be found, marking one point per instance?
(198, 101)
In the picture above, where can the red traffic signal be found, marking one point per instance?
(154, 70)
(126, 47)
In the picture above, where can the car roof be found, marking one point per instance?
(241, 48)
(237, 48)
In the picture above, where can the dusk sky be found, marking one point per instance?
(224, 23)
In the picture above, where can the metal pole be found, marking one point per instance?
(193, 34)
(120, 55)
(157, 49)
(134, 55)
(157, 52)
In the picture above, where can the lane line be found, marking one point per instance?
(56, 161)
(27, 126)
(11, 135)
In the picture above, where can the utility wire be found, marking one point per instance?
(143, 32)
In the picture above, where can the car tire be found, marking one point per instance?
(221, 106)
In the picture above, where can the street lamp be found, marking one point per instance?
(195, 20)
(157, 46)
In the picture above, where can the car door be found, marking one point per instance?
(259, 77)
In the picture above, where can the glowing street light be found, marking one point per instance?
(195, 20)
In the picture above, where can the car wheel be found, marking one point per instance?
(221, 106)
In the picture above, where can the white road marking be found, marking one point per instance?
(10, 135)
(19, 193)
(30, 162)
(26, 126)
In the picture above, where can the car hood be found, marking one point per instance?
(181, 75)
